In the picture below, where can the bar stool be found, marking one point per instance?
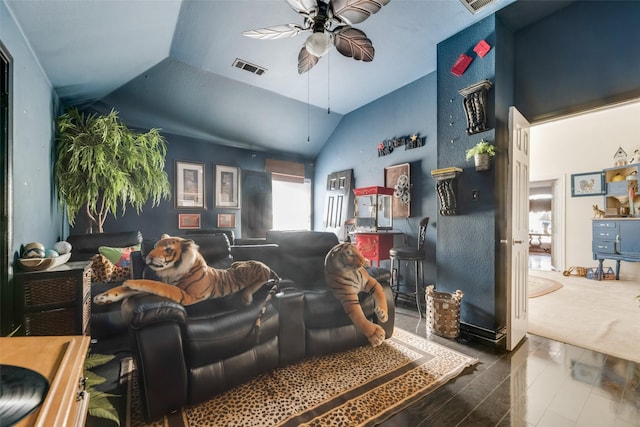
(407, 253)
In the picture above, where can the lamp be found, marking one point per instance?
(318, 43)
(545, 218)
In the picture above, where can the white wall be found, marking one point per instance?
(579, 144)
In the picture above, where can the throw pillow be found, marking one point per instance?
(120, 257)
(103, 270)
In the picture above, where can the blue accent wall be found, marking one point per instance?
(36, 216)
(353, 145)
(467, 241)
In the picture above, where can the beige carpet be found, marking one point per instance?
(599, 315)
(359, 387)
(538, 286)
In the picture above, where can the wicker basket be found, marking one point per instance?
(443, 312)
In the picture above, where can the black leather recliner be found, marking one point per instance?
(186, 355)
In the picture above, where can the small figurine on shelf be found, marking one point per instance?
(635, 158)
(620, 158)
(597, 213)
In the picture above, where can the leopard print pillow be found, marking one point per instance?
(103, 270)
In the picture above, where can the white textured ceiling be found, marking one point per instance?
(168, 64)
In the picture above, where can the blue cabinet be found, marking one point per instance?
(616, 239)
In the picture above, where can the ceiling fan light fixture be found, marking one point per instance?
(318, 44)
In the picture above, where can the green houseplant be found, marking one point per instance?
(102, 165)
(481, 153)
(99, 404)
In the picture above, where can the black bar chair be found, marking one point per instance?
(407, 253)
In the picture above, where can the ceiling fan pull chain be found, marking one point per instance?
(329, 83)
(308, 112)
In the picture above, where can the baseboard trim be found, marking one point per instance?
(494, 339)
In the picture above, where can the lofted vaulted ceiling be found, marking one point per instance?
(169, 64)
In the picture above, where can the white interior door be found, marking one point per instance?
(517, 229)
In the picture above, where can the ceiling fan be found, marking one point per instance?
(330, 23)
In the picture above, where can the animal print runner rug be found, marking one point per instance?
(359, 387)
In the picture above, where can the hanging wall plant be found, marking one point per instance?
(101, 165)
(481, 153)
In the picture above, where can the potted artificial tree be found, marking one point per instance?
(481, 153)
(102, 165)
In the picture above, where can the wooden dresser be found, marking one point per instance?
(60, 359)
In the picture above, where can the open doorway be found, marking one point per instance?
(545, 224)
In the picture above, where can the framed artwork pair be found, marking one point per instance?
(190, 186)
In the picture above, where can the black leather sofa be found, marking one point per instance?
(186, 355)
(106, 320)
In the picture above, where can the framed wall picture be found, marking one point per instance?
(189, 189)
(226, 220)
(587, 184)
(189, 221)
(227, 187)
(398, 177)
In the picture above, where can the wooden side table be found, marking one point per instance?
(61, 361)
(55, 301)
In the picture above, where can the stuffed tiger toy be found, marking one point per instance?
(345, 274)
(187, 279)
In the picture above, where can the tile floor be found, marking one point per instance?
(541, 383)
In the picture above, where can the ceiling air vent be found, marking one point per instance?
(244, 65)
(475, 5)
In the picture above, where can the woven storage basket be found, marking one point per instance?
(443, 312)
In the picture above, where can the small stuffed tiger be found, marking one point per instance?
(187, 279)
(345, 274)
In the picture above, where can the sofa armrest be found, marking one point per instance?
(145, 309)
(155, 326)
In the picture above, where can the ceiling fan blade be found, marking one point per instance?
(304, 7)
(353, 43)
(355, 11)
(275, 32)
(306, 61)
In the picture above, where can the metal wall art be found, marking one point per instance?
(398, 177)
(409, 142)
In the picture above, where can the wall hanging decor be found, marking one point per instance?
(475, 100)
(189, 221)
(409, 142)
(481, 153)
(398, 177)
(587, 184)
(190, 185)
(446, 189)
(227, 187)
(482, 48)
(461, 64)
(226, 220)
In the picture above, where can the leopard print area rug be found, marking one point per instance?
(359, 387)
